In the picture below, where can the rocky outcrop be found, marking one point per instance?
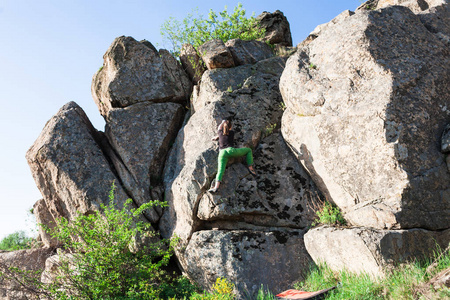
(134, 72)
(248, 258)
(357, 116)
(69, 167)
(367, 102)
(278, 199)
(371, 251)
(216, 55)
(31, 260)
(277, 28)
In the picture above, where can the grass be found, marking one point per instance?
(407, 281)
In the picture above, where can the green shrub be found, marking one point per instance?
(196, 30)
(178, 288)
(329, 214)
(16, 241)
(222, 289)
(103, 263)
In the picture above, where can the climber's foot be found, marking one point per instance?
(252, 171)
(213, 190)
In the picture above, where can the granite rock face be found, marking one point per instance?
(141, 135)
(371, 250)
(281, 195)
(278, 199)
(69, 167)
(367, 102)
(133, 72)
(277, 28)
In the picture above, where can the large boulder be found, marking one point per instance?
(32, 261)
(134, 72)
(277, 28)
(278, 199)
(69, 167)
(371, 251)
(367, 102)
(248, 52)
(141, 135)
(248, 258)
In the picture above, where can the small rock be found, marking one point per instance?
(277, 28)
(216, 55)
(192, 63)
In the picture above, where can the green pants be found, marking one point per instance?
(230, 152)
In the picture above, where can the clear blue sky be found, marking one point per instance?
(50, 50)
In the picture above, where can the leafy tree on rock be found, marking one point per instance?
(196, 30)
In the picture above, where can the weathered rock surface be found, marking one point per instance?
(282, 194)
(192, 63)
(133, 72)
(141, 135)
(248, 258)
(43, 216)
(277, 28)
(248, 52)
(367, 102)
(414, 5)
(371, 250)
(53, 264)
(435, 19)
(216, 55)
(30, 260)
(273, 201)
(70, 168)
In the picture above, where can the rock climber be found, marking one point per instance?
(226, 146)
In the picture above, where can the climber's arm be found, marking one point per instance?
(221, 126)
